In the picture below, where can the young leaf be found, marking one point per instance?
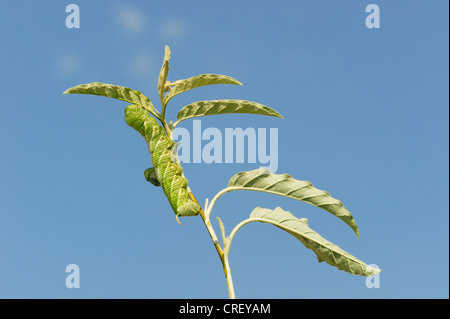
(163, 74)
(113, 91)
(285, 185)
(215, 107)
(324, 250)
(222, 231)
(181, 86)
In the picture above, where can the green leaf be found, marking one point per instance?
(163, 74)
(113, 91)
(215, 107)
(181, 86)
(324, 250)
(285, 185)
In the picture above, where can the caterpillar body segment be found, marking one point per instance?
(166, 170)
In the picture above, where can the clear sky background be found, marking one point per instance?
(366, 118)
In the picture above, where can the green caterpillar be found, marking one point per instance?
(166, 170)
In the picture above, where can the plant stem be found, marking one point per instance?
(226, 248)
(223, 258)
(213, 201)
(205, 217)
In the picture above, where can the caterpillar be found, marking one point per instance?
(166, 170)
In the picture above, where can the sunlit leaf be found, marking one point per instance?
(324, 250)
(113, 91)
(263, 180)
(181, 86)
(216, 107)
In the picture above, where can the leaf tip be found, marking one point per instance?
(276, 114)
(373, 271)
(167, 52)
(356, 230)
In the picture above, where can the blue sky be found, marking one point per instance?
(365, 118)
